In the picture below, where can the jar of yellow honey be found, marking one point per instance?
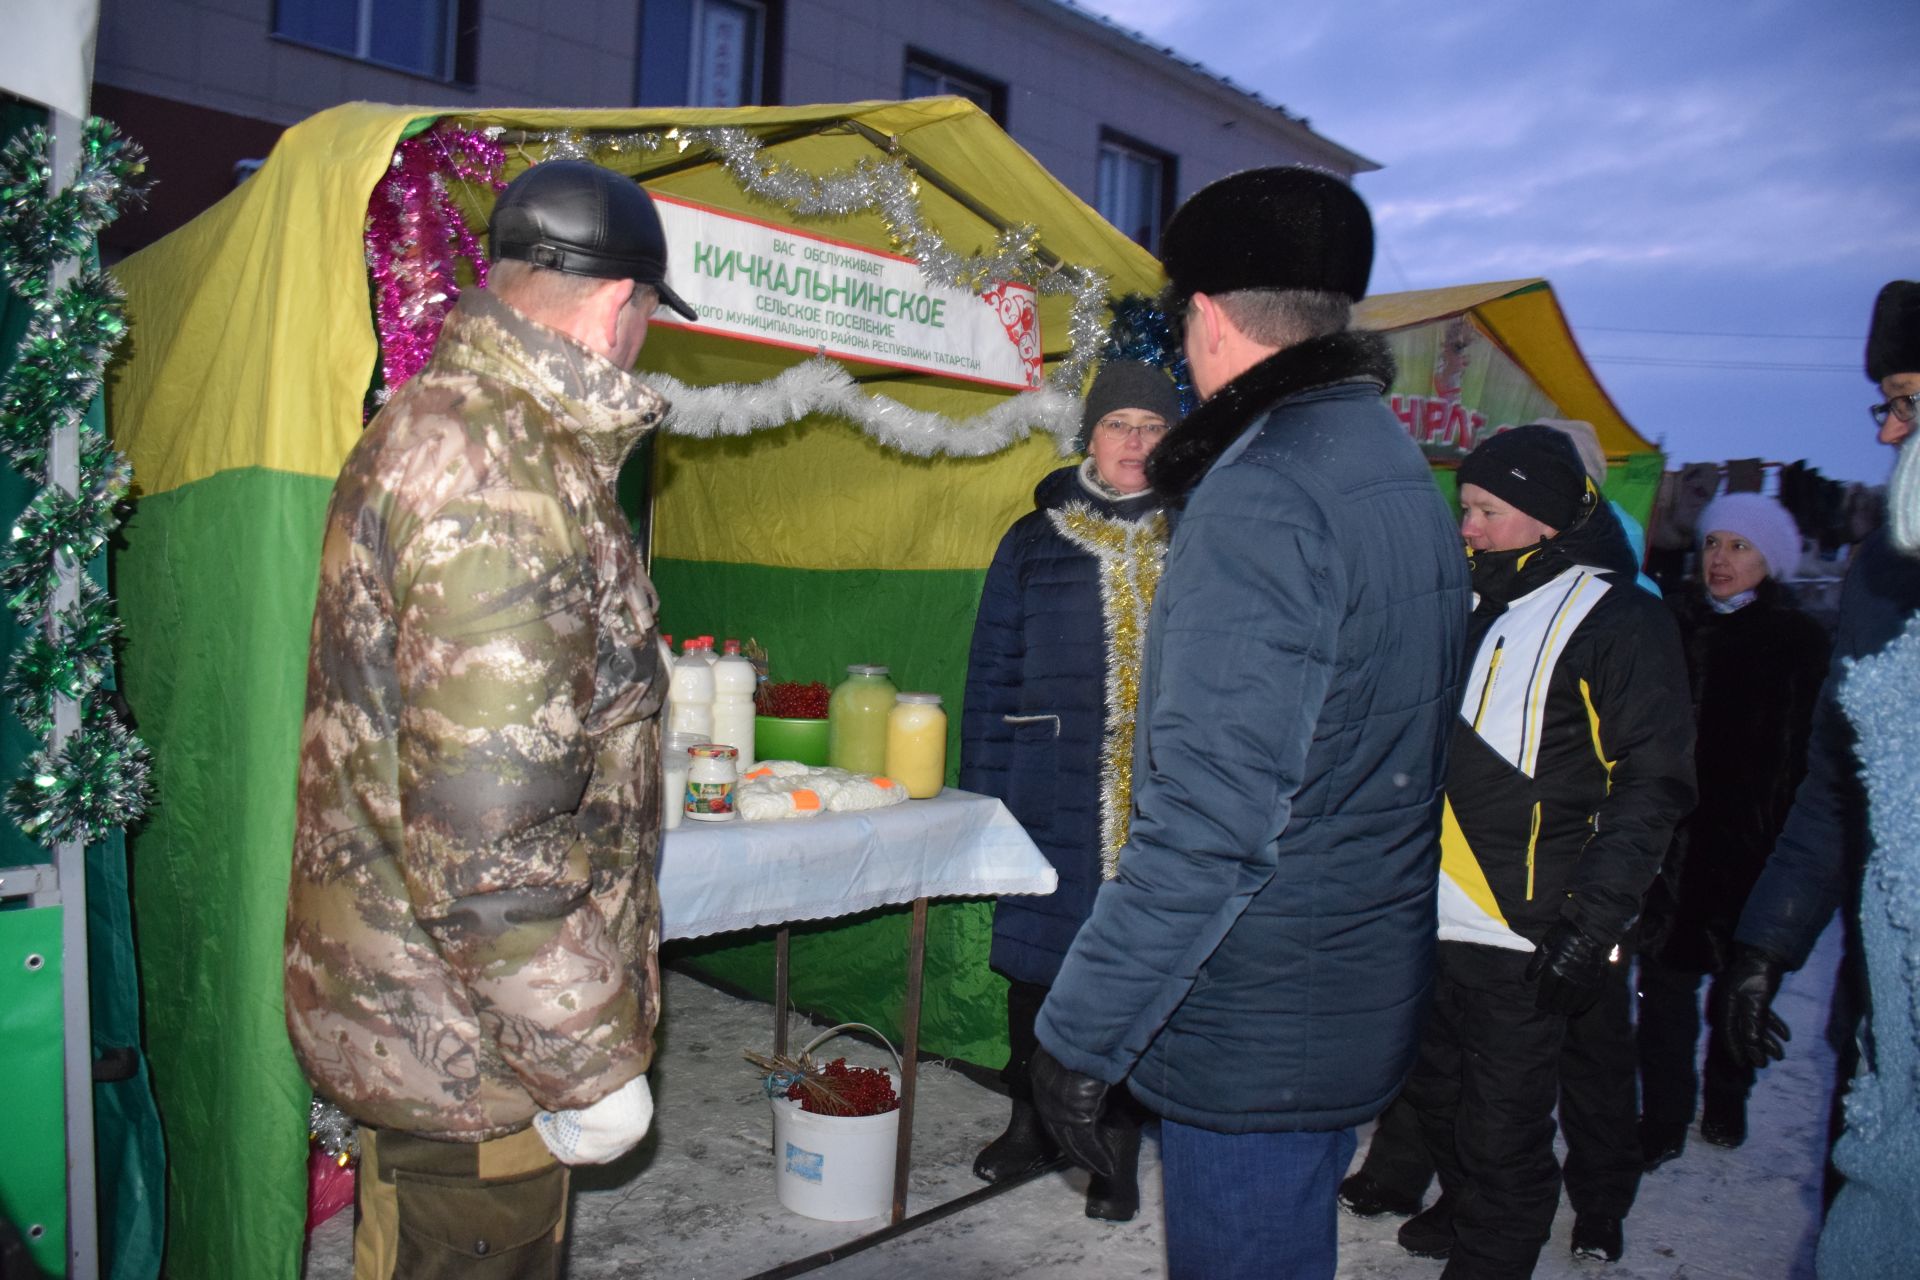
(917, 744)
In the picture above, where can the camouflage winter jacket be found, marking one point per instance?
(472, 925)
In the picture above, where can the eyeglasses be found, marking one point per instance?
(1901, 407)
(1123, 431)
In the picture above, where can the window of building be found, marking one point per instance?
(931, 77)
(1136, 187)
(431, 38)
(729, 37)
(708, 53)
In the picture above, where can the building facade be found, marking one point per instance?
(1131, 127)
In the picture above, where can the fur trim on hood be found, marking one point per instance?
(1191, 447)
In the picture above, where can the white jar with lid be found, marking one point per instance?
(711, 778)
(917, 744)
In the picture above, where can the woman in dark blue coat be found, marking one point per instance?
(1048, 721)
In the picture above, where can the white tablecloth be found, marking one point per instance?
(717, 876)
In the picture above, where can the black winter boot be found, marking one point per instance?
(1429, 1234)
(1661, 1141)
(1117, 1199)
(1723, 1119)
(1598, 1239)
(1365, 1196)
(1021, 1150)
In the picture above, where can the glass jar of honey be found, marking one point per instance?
(917, 744)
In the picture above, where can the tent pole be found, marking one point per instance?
(70, 856)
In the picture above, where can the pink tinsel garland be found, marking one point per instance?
(414, 237)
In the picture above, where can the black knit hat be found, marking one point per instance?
(572, 216)
(1283, 228)
(1535, 468)
(1893, 339)
(1127, 384)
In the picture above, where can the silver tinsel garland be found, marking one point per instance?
(333, 1131)
(888, 189)
(822, 386)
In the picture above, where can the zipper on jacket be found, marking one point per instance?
(1533, 842)
(1486, 690)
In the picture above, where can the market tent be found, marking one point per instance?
(252, 361)
(1476, 357)
(244, 392)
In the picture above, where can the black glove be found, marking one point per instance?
(1569, 966)
(1074, 1109)
(1750, 1030)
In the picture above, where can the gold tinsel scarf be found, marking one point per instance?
(1129, 553)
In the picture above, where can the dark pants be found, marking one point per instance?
(1669, 1045)
(1251, 1206)
(1023, 1010)
(1484, 1088)
(1597, 1113)
(1599, 1106)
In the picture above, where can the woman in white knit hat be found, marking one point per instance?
(1755, 663)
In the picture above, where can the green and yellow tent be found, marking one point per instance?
(242, 396)
(1477, 357)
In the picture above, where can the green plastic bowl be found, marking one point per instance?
(785, 738)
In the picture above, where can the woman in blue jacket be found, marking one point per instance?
(1048, 721)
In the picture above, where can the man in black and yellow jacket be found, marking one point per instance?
(1572, 759)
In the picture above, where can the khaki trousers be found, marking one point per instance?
(426, 1210)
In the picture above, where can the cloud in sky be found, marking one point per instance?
(1680, 172)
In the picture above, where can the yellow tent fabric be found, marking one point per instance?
(1523, 317)
(822, 495)
(257, 340)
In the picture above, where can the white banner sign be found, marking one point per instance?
(786, 288)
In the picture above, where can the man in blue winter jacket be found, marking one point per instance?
(1256, 971)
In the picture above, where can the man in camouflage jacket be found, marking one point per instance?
(472, 925)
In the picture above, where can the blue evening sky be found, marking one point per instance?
(1716, 190)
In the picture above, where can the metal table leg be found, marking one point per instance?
(780, 941)
(909, 1055)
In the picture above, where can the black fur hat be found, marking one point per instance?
(1893, 339)
(1127, 384)
(1281, 228)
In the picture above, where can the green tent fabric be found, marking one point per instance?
(127, 1137)
(207, 571)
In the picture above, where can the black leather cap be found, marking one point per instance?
(572, 216)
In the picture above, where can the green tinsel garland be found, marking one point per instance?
(98, 778)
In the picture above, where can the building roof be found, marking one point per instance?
(1146, 50)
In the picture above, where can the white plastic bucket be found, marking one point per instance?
(835, 1168)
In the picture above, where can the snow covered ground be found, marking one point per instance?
(696, 1201)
